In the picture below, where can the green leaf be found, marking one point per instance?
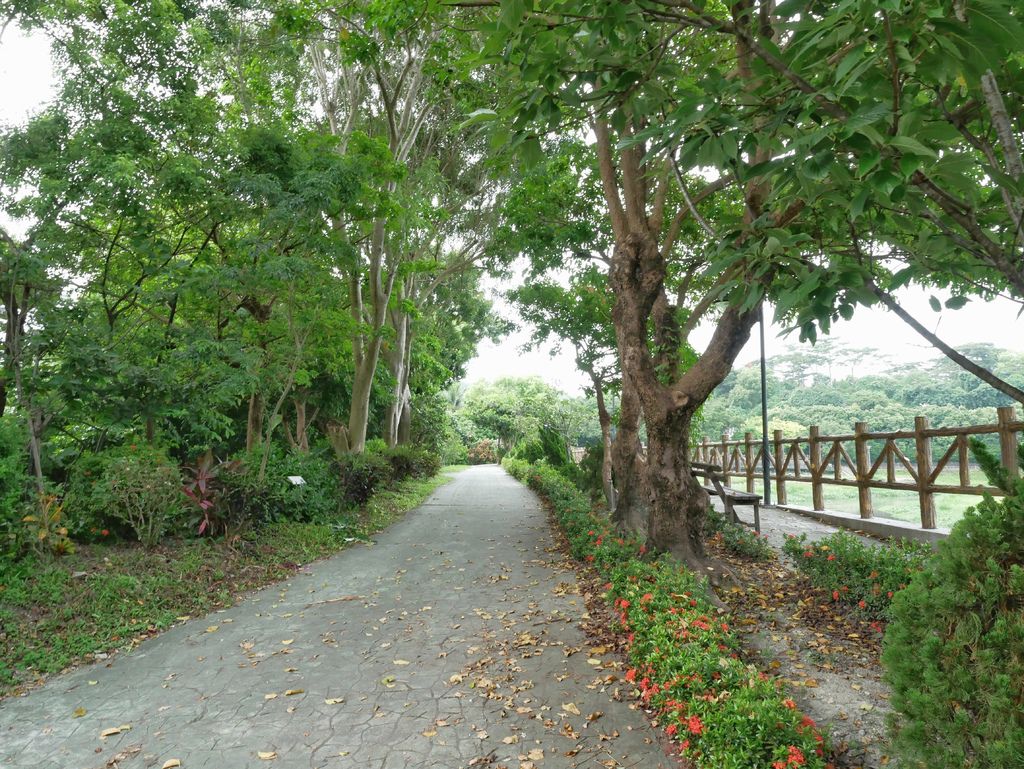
(956, 302)
(907, 144)
(478, 116)
(936, 305)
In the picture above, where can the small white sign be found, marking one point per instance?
(297, 480)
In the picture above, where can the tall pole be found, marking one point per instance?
(764, 414)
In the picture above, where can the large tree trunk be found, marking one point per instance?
(629, 468)
(678, 503)
(678, 506)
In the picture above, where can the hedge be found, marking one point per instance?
(686, 663)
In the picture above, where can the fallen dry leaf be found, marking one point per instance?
(292, 692)
(211, 629)
(288, 642)
(430, 733)
(570, 707)
(171, 763)
(334, 701)
(510, 740)
(110, 732)
(402, 662)
(267, 755)
(78, 712)
(536, 754)
(271, 696)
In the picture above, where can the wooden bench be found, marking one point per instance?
(713, 484)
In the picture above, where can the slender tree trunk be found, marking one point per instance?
(254, 422)
(605, 419)
(398, 365)
(405, 418)
(362, 385)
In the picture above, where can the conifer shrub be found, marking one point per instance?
(954, 649)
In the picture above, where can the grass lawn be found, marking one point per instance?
(887, 503)
(55, 613)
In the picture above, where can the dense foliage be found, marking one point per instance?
(954, 651)
(824, 386)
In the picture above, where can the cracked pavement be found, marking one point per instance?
(452, 641)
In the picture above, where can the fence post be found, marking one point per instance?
(780, 471)
(923, 445)
(860, 430)
(725, 459)
(1008, 440)
(748, 456)
(706, 459)
(817, 488)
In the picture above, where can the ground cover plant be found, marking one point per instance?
(854, 572)
(685, 659)
(739, 539)
(57, 612)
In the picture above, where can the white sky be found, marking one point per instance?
(26, 84)
(994, 322)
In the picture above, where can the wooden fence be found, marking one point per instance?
(823, 460)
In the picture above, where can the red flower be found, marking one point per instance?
(631, 675)
(105, 533)
(647, 598)
(831, 557)
(796, 757)
(643, 549)
(778, 765)
(685, 745)
(889, 594)
(862, 604)
(789, 704)
(695, 725)
(671, 730)
(835, 595)
(808, 554)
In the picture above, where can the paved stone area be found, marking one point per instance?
(452, 641)
(776, 523)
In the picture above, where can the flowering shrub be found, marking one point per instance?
(685, 660)
(739, 539)
(483, 453)
(857, 573)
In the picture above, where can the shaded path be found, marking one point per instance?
(453, 638)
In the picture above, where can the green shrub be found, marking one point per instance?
(145, 492)
(360, 475)
(453, 451)
(954, 650)
(528, 451)
(14, 481)
(739, 539)
(409, 462)
(556, 453)
(686, 664)
(88, 504)
(855, 572)
(483, 453)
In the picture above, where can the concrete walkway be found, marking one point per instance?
(453, 641)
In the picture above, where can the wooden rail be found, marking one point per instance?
(846, 460)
